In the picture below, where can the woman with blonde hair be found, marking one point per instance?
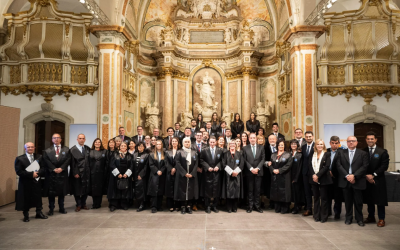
(260, 140)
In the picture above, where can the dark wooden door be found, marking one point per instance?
(361, 129)
(43, 132)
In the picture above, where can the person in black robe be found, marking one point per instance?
(141, 158)
(80, 172)
(297, 185)
(237, 126)
(232, 185)
(198, 146)
(215, 125)
(170, 173)
(168, 140)
(186, 187)
(157, 176)
(253, 125)
(98, 172)
(200, 122)
(29, 192)
(120, 186)
(56, 159)
(280, 166)
(210, 161)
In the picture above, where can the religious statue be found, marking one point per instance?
(227, 117)
(255, 39)
(186, 118)
(263, 113)
(206, 89)
(228, 36)
(186, 36)
(153, 117)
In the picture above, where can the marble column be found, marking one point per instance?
(168, 100)
(246, 94)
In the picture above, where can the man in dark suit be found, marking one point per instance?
(376, 192)
(298, 133)
(121, 135)
(222, 130)
(156, 134)
(29, 192)
(188, 133)
(275, 131)
(199, 146)
(228, 136)
(209, 130)
(140, 136)
(270, 148)
(336, 192)
(352, 167)
(80, 172)
(254, 157)
(56, 159)
(205, 138)
(177, 132)
(308, 152)
(168, 140)
(210, 161)
(193, 129)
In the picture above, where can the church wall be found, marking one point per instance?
(233, 94)
(82, 108)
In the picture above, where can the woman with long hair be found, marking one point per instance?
(170, 155)
(215, 123)
(252, 125)
(131, 147)
(297, 183)
(157, 176)
(200, 122)
(98, 172)
(141, 157)
(245, 139)
(237, 126)
(238, 142)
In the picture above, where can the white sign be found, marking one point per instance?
(342, 130)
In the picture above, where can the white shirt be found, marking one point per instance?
(373, 149)
(79, 147)
(300, 141)
(272, 148)
(255, 148)
(354, 153)
(29, 157)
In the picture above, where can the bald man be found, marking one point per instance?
(29, 186)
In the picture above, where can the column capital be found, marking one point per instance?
(304, 31)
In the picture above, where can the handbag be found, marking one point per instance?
(122, 184)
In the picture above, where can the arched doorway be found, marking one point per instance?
(43, 132)
(361, 129)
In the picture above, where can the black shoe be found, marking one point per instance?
(208, 210)
(278, 211)
(154, 210)
(215, 210)
(51, 212)
(229, 210)
(234, 210)
(62, 211)
(323, 221)
(258, 210)
(183, 210)
(249, 210)
(140, 209)
(160, 209)
(348, 222)
(316, 220)
(189, 210)
(337, 216)
(295, 211)
(40, 215)
(26, 219)
(360, 223)
(112, 209)
(125, 208)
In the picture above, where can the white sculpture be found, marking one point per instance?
(256, 39)
(227, 117)
(206, 89)
(153, 118)
(263, 114)
(186, 36)
(228, 36)
(186, 118)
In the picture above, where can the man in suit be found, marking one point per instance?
(352, 167)
(29, 192)
(222, 130)
(376, 192)
(336, 192)
(80, 172)
(177, 132)
(254, 157)
(121, 135)
(270, 148)
(209, 130)
(193, 128)
(156, 134)
(56, 159)
(210, 161)
(140, 136)
(205, 137)
(168, 140)
(275, 131)
(188, 133)
(308, 152)
(298, 133)
(228, 136)
(199, 146)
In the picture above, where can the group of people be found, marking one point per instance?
(206, 165)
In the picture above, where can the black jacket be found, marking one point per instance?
(254, 162)
(98, 172)
(324, 177)
(232, 187)
(306, 157)
(79, 166)
(211, 185)
(281, 184)
(253, 127)
(156, 184)
(113, 191)
(359, 168)
(237, 128)
(186, 188)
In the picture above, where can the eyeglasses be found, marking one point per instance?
(352, 141)
(56, 137)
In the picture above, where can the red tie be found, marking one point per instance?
(140, 138)
(170, 141)
(57, 151)
(223, 133)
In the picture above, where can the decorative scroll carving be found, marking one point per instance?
(130, 96)
(285, 98)
(79, 74)
(336, 75)
(371, 73)
(15, 74)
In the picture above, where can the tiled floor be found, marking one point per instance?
(101, 229)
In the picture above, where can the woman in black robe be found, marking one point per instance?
(245, 139)
(199, 122)
(237, 126)
(98, 172)
(215, 124)
(120, 187)
(279, 166)
(157, 176)
(253, 124)
(297, 179)
(170, 175)
(131, 147)
(186, 186)
(232, 185)
(141, 157)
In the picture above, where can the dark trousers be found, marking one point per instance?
(38, 210)
(119, 203)
(171, 203)
(353, 197)
(321, 194)
(381, 211)
(156, 201)
(282, 207)
(307, 192)
(97, 200)
(52, 202)
(253, 188)
(337, 196)
(296, 194)
(186, 203)
(231, 204)
(207, 202)
(80, 200)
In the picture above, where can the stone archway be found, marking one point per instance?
(48, 114)
(369, 115)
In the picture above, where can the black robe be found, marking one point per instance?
(232, 187)
(56, 184)
(140, 169)
(281, 183)
(29, 192)
(79, 165)
(211, 181)
(215, 128)
(170, 179)
(237, 128)
(98, 172)
(186, 188)
(253, 127)
(297, 177)
(156, 186)
(113, 192)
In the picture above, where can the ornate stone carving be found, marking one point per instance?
(263, 112)
(206, 89)
(130, 96)
(371, 73)
(186, 118)
(153, 116)
(285, 97)
(227, 117)
(336, 74)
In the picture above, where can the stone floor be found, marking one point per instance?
(101, 229)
